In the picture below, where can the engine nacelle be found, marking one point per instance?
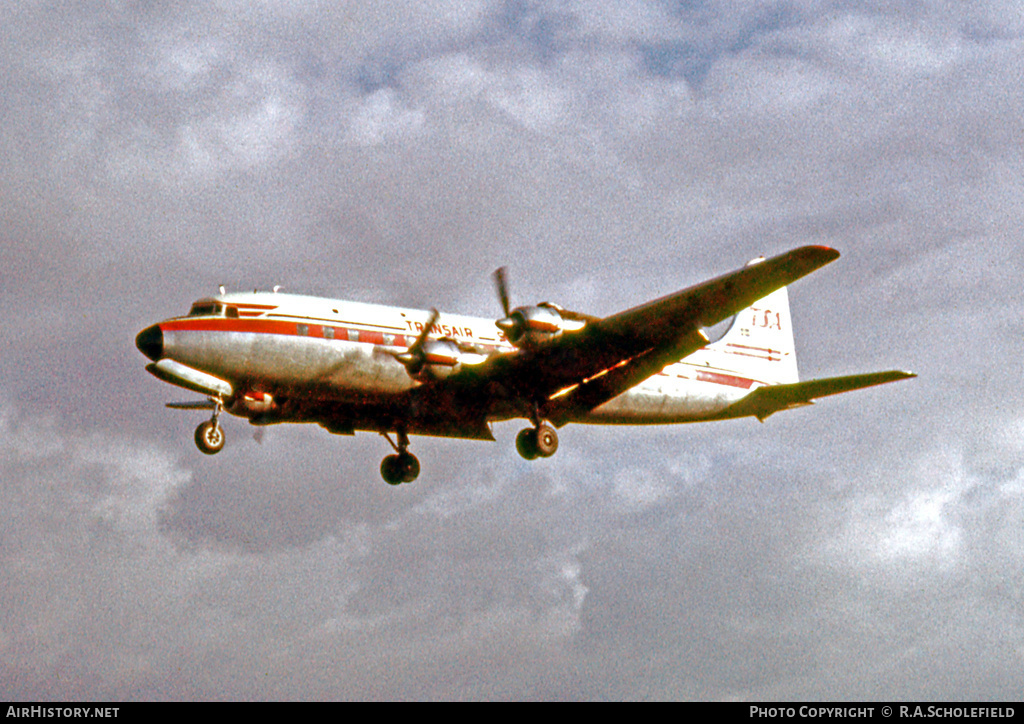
(526, 326)
(252, 404)
(434, 359)
(441, 358)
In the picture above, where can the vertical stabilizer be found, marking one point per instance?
(759, 345)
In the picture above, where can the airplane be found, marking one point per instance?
(273, 357)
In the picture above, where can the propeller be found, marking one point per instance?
(414, 357)
(502, 286)
(513, 323)
(534, 324)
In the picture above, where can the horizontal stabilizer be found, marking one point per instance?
(765, 401)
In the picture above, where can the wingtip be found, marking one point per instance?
(897, 375)
(805, 259)
(826, 252)
(812, 255)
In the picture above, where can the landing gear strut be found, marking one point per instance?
(403, 467)
(210, 435)
(537, 442)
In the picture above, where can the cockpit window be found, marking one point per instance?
(205, 309)
(213, 308)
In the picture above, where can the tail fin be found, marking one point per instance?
(759, 345)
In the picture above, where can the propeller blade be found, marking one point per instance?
(508, 324)
(413, 357)
(502, 286)
(427, 329)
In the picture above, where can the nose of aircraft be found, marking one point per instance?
(150, 342)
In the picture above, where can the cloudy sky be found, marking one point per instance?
(607, 152)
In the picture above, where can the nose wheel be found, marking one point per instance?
(537, 442)
(210, 435)
(403, 466)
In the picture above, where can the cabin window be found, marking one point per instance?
(353, 335)
(231, 312)
(302, 329)
(328, 332)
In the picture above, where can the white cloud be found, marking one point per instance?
(891, 44)
(919, 528)
(935, 520)
(638, 488)
(380, 117)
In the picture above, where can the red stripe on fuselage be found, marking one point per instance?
(720, 379)
(755, 352)
(766, 350)
(291, 329)
(254, 326)
(275, 326)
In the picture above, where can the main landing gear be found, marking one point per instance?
(403, 467)
(537, 442)
(210, 435)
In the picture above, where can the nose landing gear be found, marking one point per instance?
(210, 435)
(403, 467)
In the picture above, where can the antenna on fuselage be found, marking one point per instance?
(221, 288)
(276, 288)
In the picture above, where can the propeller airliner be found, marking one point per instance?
(273, 358)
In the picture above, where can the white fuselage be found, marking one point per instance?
(284, 345)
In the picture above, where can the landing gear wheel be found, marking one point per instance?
(400, 468)
(408, 467)
(389, 470)
(546, 441)
(526, 444)
(540, 442)
(403, 467)
(210, 437)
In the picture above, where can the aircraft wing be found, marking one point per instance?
(765, 401)
(708, 303)
(582, 369)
